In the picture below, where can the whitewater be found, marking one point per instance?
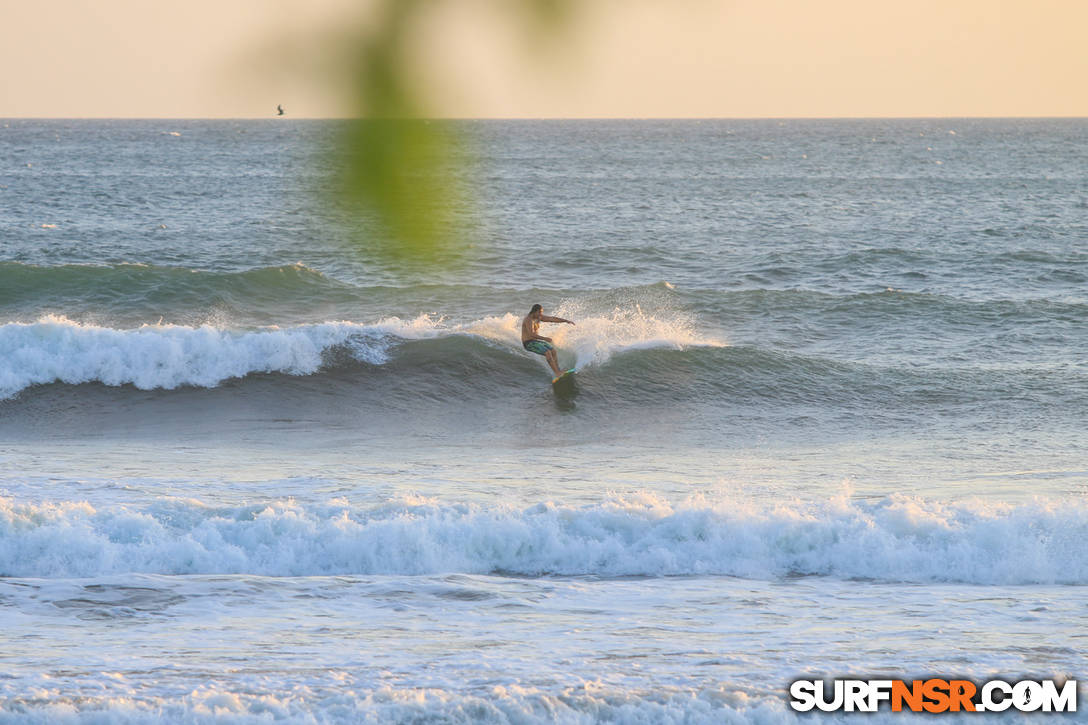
(827, 421)
(899, 539)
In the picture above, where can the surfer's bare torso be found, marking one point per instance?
(530, 330)
(530, 326)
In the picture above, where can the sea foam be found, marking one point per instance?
(56, 349)
(500, 705)
(896, 539)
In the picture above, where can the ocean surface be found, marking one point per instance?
(830, 419)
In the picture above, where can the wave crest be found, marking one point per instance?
(167, 356)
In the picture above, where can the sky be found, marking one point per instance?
(611, 58)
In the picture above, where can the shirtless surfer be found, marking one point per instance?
(532, 341)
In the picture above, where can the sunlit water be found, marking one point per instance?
(829, 419)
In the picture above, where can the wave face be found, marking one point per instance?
(900, 539)
(628, 359)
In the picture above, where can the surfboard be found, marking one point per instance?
(562, 375)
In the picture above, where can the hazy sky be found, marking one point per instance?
(616, 58)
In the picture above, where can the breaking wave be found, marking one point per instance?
(896, 539)
(165, 356)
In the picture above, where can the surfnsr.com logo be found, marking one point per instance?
(933, 695)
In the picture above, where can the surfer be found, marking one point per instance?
(532, 341)
(279, 110)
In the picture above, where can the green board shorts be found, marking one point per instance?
(540, 347)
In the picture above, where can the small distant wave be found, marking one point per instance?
(899, 539)
(896, 306)
(58, 350)
(107, 287)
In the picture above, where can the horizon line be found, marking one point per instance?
(541, 118)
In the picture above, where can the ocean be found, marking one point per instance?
(829, 419)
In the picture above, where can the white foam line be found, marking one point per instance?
(896, 539)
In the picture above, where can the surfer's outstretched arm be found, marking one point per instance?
(547, 318)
